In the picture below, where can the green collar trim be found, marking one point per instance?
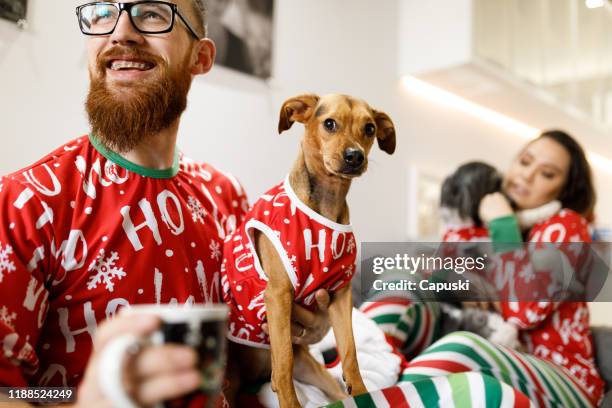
(133, 167)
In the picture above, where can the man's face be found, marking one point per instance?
(170, 48)
(139, 82)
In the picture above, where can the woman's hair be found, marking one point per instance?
(463, 190)
(578, 193)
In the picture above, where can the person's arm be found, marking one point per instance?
(26, 270)
(495, 211)
(504, 229)
(24, 251)
(157, 374)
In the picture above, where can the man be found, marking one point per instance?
(119, 216)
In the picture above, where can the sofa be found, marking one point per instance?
(602, 337)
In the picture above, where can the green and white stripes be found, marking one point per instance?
(461, 390)
(433, 373)
(540, 381)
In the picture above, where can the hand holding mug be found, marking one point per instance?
(150, 354)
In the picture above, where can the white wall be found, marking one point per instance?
(444, 32)
(323, 46)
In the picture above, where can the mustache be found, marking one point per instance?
(127, 52)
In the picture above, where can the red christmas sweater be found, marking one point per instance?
(84, 232)
(554, 331)
(315, 251)
(465, 233)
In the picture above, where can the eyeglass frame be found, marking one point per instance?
(127, 7)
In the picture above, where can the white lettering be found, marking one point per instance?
(51, 191)
(51, 372)
(112, 307)
(37, 256)
(216, 216)
(131, 230)
(309, 245)
(32, 294)
(90, 328)
(337, 252)
(209, 293)
(68, 251)
(162, 201)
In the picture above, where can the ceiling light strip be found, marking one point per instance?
(451, 100)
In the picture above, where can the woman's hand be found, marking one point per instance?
(309, 327)
(494, 206)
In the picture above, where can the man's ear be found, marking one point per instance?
(297, 109)
(205, 52)
(385, 134)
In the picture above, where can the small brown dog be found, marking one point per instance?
(272, 260)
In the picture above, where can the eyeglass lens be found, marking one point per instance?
(147, 17)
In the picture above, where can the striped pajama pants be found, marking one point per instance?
(461, 369)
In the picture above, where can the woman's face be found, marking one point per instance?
(537, 174)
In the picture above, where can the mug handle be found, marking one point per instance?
(110, 370)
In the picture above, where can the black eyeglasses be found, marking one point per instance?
(148, 17)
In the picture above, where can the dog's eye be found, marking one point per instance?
(330, 125)
(370, 129)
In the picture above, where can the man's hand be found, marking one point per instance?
(493, 206)
(153, 375)
(309, 327)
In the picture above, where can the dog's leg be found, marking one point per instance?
(341, 316)
(278, 299)
(310, 371)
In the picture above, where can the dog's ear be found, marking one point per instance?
(385, 136)
(297, 109)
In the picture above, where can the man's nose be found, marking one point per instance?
(125, 33)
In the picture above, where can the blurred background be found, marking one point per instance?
(462, 80)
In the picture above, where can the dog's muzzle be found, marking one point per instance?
(353, 160)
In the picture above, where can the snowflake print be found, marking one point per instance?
(197, 211)
(215, 250)
(351, 245)
(293, 262)
(6, 265)
(349, 271)
(105, 271)
(7, 318)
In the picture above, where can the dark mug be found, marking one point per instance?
(201, 327)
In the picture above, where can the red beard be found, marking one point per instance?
(125, 115)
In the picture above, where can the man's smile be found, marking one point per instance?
(122, 65)
(128, 68)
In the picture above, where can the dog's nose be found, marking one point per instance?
(353, 157)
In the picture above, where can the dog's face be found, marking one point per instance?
(340, 129)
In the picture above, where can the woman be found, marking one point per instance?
(560, 369)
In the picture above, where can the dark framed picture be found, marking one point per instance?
(13, 10)
(242, 31)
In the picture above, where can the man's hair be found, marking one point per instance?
(199, 13)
